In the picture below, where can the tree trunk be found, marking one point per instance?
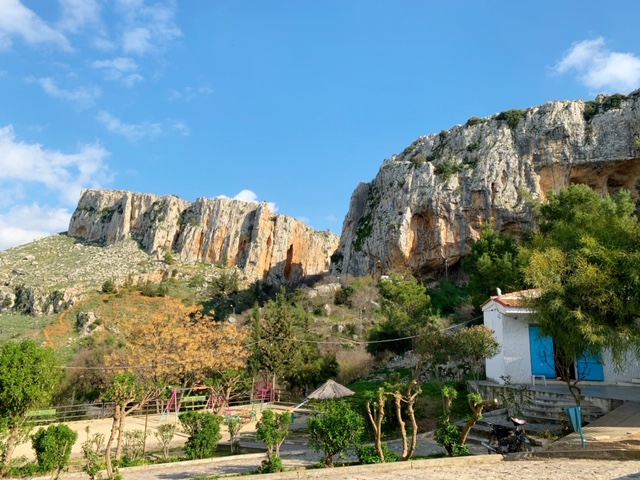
(414, 426)
(376, 423)
(114, 428)
(120, 434)
(328, 461)
(403, 429)
(476, 408)
(9, 448)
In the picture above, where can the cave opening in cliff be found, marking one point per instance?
(288, 264)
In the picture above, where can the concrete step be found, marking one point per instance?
(555, 398)
(536, 407)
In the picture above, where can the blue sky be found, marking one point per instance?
(288, 102)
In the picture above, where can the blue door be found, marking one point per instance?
(590, 367)
(541, 348)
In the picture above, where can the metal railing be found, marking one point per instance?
(100, 410)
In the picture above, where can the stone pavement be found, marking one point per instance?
(620, 426)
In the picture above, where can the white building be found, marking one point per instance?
(526, 356)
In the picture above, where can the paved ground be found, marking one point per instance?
(617, 430)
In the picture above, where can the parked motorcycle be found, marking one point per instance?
(508, 439)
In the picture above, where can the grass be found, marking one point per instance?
(18, 327)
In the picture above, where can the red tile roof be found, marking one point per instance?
(516, 299)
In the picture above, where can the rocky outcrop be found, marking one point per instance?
(427, 205)
(266, 246)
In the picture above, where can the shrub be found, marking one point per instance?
(418, 160)
(271, 430)
(169, 257)
(53, 447)
(335, 429)
(472, 147)
(448, 435)
(368, 454)
(447, 168)
(109, 286)
(164, 435)
(149, 289)
(91, 452)
(363, 231)
(613, 101)
(133, 447)
(590, 110)
(204, 433)
(474, 121)
(511, 117)
(271, 466)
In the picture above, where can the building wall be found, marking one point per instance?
(630, 371)
(495, 365)
(514, 358)
(517, 351)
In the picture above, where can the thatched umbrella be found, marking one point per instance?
(330, 389)
(326, 391)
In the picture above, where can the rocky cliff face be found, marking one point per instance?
(274, 248)
(426, 205)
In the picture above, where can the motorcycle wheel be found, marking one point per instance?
(524, 446)
(493, 442)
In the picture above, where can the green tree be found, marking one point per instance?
(271, 430)
(164, 434)
(437, 359)
(334, 429)
(406, 308)
(473, 345)
(404, 397)
(585, 261)
(204, 433)
(53, 447)
(276, 349)
(314, 368)
(494, 262)
(447, 434)
(28, 378)
(375, 407)
(128, 392)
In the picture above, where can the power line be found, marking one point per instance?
(346, 341)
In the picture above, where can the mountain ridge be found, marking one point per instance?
(427, 205)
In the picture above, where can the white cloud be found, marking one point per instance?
(78, 14)
(246, 196)
(131, 131)
(82, 96)
(24, 223)
(249, 196)
(600, 69)
(64, 174)
(181, 127)
(148, 27)
(189, 93)
(16, 20)
(121, 69)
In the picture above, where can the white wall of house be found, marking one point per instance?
(630, 371)
(495, 365)
(517, 351)
(514, 358)
(511, 330)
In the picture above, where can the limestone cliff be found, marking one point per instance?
(426, 205)
(266, 246)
